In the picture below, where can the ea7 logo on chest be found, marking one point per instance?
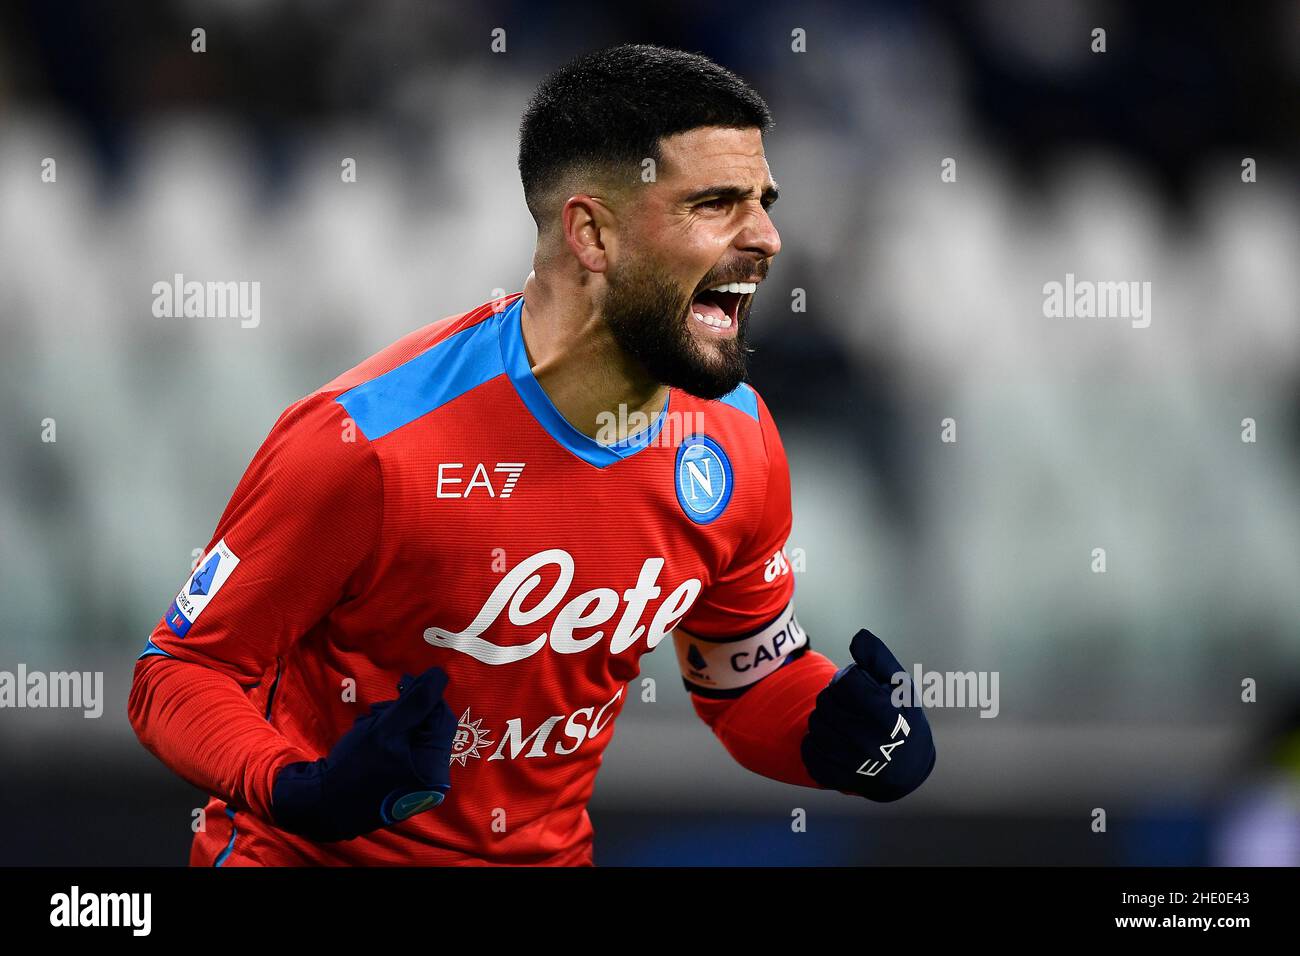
(451, 478)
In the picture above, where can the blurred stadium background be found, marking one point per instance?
(924, 302)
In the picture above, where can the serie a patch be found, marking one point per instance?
(200, 588)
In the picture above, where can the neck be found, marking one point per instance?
(580, 366)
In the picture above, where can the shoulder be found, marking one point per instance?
(313, 450)
(330, 431)
(740, 420)
(420, 371)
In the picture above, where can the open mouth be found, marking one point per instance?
(718, 308)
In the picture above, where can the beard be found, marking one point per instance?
(649, 317)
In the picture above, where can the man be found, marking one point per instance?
(515, 504)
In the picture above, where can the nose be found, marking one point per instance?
(759, 235)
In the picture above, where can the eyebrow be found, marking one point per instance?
(736, 193)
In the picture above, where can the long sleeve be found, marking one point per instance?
(296, 539)
(763, 728)
(759, 713)
(202, 725)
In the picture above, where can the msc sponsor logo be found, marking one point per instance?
(558, 735)
(470, 739)
(590, 609)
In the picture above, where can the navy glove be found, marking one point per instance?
(858, 741)
(393, 763)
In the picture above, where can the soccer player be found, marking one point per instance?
(416, 622)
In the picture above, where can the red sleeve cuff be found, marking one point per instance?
(764, 727)
(200, 723)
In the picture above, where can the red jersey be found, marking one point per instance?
(432, 507)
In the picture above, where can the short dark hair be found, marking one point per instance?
(606, 111)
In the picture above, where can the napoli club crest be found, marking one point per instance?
(704, 478)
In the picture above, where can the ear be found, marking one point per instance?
(589, 229)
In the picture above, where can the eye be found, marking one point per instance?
(713, 204)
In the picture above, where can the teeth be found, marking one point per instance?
(722, 323)
(744, 288)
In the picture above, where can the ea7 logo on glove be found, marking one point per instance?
(859, 741)
(873, 767)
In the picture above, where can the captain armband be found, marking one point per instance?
(727, 667)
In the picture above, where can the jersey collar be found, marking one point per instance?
(515, 358)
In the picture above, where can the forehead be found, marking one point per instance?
(713, 154)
